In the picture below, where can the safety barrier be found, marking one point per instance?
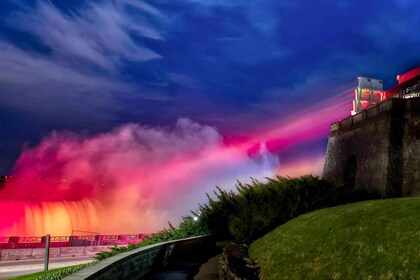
(39, 253)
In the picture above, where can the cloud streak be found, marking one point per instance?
(75, 63)
(25, 69)
(101, 34)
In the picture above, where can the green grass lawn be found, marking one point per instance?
(57, 273)
(378, 239)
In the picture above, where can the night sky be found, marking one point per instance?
(241, 67)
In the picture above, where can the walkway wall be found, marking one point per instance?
(139, 263)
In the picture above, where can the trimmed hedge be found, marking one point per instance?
(257, 208)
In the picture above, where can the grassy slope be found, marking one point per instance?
(377, 239)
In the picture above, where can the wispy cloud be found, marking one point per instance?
(96, 33)
(141, 5)
(26, 69)
(84, 53)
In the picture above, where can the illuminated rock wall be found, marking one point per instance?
(411, 151)
(378, 149)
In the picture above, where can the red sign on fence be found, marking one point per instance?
(30, 239)
(60, 238)
(4, 239)
(86, 237)
(109, 237)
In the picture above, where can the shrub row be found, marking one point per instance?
(257, 208)
(189, 227)
(253, 210)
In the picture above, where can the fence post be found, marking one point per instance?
(47, 252)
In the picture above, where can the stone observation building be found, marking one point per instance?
(378, 147)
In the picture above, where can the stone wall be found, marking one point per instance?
(411, 151)
(378, 149)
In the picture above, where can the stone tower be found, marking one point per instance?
(379, 148)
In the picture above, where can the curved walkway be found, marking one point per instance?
(178, 259)
(199, 268)
(209, 270)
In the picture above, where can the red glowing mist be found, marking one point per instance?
(135, 179)
(304, 126)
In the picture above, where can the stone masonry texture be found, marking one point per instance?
(377, 149)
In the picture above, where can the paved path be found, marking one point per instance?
(187, 269)
(179, 271)
(15, 268)
(209, 270)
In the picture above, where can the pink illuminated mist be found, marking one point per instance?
(134, 179)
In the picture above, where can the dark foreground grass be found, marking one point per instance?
(378, 239)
